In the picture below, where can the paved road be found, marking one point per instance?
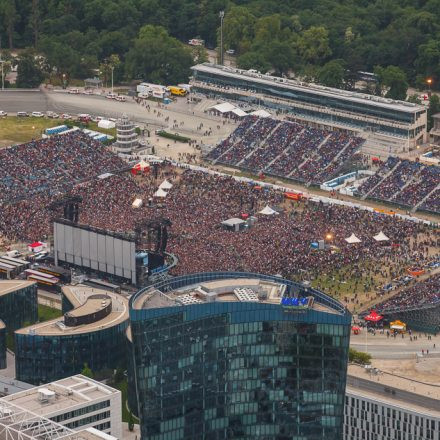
(382, 347)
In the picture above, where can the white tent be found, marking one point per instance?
(160, 193)
(104, 123)
(137, 203)
(239, 112)
(262, 113)
(381, 237)
(165, 185)
(224, 107)
(268, 211)
(352, 239)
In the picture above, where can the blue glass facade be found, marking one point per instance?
(240, 370)
(46, 358)
(2, 345)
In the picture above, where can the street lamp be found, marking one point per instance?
(222, 16)
(329, 237)
(429, 82)
(113, 68)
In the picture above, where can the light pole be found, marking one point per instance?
(222, 16)
(113, 68)
(3, 75)
(429, 81)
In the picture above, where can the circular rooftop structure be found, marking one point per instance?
(241, 287)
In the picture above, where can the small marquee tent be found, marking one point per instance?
(268, 211)
(381, 237)
(160, 193)
(373, 316)
(352, 239)
(165, 185)
(141, 167)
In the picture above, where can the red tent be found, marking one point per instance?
(373, 317)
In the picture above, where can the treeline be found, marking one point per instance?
(323, 40)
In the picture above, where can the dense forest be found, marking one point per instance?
(324, 40)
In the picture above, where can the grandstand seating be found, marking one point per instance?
(405, 182)
(52, 165)
(286, 149)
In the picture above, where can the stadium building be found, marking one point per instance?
(383, 406)
(76, 402)
(230, 355)
(386, 123)
(92, 332)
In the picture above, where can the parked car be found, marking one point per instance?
(88, 92)
(2, 113)
(111, 96)
(120, 98)
(52, 115)
(230, 52)
(37, 115)
(74, 91)
(66, 116)
(22, 114)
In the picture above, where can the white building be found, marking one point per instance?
(76, 402)
(383, 406)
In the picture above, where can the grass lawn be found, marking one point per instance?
(46, 313)
(122, 387)
(15, 130)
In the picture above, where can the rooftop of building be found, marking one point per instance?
(13, 285)
(86, 301)
(300, 85)
(240, 289)
(394, 389)
(63, 394)
(11, 386)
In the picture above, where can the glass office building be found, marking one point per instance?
(311, 102)
(2, 345)
(232, 355)
(92, 333)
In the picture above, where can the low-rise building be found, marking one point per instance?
(384, 406)
(76, 402)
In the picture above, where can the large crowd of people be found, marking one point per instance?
(423, 293)
(199, 202)
(51, 166)
(405, 182)
(286, 149)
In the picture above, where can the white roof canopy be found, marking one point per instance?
(239, 112)
(137, 203)
(352, 239)
(233, 221)
(262, 113)
(165, 185)
(268, 211)
(160, 193)
(224, 107)
(381, 237)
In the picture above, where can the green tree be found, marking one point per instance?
(157, 57)
(253, 60)
(29, 74)
(394, 79)
(10, 17)
(313, 45)
(434, 107)
(238, 28)
(86, 371)
(415, 99)
(118, 376)
(199, 54)
(130, 422)
(280, 55)
(332, 74)
(359, 357)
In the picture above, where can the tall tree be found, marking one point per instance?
(332, 74)
(10, 17)
(29, 74)
(394, 79)
(35, 21)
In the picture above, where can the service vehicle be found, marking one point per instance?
(66, 116)
(111, 96)
(2, 113)
(177, 91)
(74, 91)
(120, 98)
(22, 114)
(37, 114)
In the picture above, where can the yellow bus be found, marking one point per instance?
(177, 91)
